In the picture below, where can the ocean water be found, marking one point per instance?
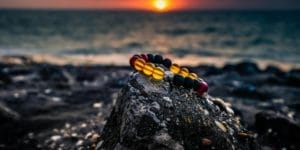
(262, 35)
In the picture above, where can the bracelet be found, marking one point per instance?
(181, 75)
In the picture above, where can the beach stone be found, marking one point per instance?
(7, 114)
(5, 77)
(247, 68)
(273, 70)
(278, 129)
(293, 78)
(52, 73)
(152, 114)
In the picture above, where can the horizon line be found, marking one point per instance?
(149, 10)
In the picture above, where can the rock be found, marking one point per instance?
(293, 78)
(229, 67)
(278, 130)
(211, 70)
(243, 68)
(52, 73)
(6, 114)
(4, 77)
(158, 115)
(273, 70)
(247, 68)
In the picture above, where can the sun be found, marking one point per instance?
(161, 5)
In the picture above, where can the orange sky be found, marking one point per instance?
(148, 4)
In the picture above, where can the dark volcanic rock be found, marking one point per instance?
(4, 77)
(6, 114)
(278, 129)
(243, 68)
(157, 115)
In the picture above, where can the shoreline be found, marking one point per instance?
(48, 106)
(122, 60)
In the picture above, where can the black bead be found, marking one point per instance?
(196, 84)
(158, 59)
(150, 57)
(188, 83)
(178, 80)
(167, 63)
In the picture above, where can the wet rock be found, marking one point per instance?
(229, 67)
(212, 70)
(274, 70)
(52, 73)
(293, 78)
(6, 114)
(158, 115)
(278, 130)
(247, 68)
(245, 90)
(4, 77)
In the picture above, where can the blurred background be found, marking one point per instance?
(265, 30)
(63, 63)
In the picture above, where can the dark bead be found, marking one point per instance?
(196, 84)
(188, 83)
(158, 59)
(150, 57)
(203, 88)
(178, 80)
(167, 63)
(145, 57)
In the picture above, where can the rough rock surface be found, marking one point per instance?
(158, 115)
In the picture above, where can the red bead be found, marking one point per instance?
(133, 59)
(203, 88)
(145, 57)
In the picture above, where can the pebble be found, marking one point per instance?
(221, 126)
(95, 138)
(97, 105)
(206, 141)
(79, 142)
(74, 134)
(48, 91)
(55, 137)
(67, 125)
(83, 125)
(56, 99)
(88, 135)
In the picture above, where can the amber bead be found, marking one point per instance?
(184, 72)
(139, 64)
(133, 59)
(158, 73)
(178, 80)
(175, 68)
(203, 88)
(188, 83)
(193, 75)
(148, 69)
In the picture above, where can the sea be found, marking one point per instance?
(272, 36)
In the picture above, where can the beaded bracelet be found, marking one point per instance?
(181, 76)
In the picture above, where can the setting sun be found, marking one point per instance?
(161, 4)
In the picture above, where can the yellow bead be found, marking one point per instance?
(193, 76)
(139, 64)
(175, 68)
(158, 73)
(148, 69)
(184, 72)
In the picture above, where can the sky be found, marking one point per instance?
(148, 4)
